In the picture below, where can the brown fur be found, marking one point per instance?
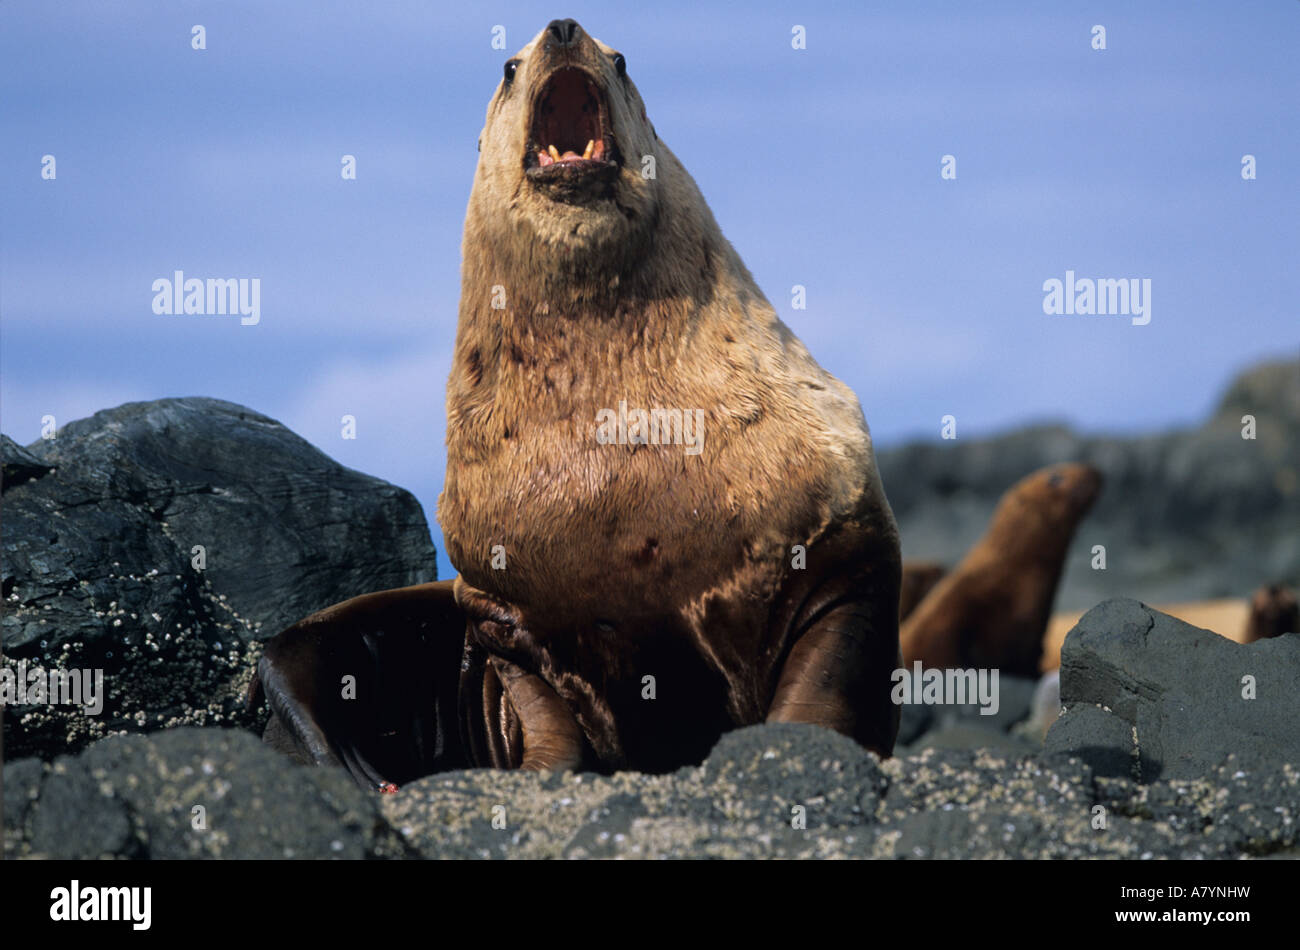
(631, 560)
(919, 578)
(992, 610)
(1273, 612)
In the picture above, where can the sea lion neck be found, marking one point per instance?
(648, 286)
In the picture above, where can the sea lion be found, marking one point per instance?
(625, 594)
(919, 578)
(1270, 612)
(1273, 612)
(992, 610)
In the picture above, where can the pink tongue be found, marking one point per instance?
(568, 155)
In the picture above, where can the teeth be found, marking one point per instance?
(551, 154)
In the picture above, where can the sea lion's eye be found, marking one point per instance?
(620, 65)
(511, 66)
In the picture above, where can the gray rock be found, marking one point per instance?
(1148, 696)
(1168, 498)
(97, 544)
(136, 797)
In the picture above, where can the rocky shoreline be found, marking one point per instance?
(1161, 756)
(160, 542)
(1188, 515)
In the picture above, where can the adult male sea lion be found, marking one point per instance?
(625, 594)
(992, 610)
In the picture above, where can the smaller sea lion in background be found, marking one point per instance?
(1273, 612)
(919, 578)
(992, 610)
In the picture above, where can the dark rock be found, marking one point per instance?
(1168, 497)
(133, 796)
(762, 773)
(100, 571)
(136, 797)
(75, 819)
(1235, 809)
(1142, 688)
(19, 465)
(1103, 740)
(959, 834)
(609, 825)
(22, 783)
(969, 734)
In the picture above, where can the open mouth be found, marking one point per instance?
(571, 136)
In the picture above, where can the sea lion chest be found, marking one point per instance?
(634, 493)
(613, 553)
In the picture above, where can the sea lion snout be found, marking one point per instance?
(570, 171)
(1088, 484)
(1078, 483)
(572, 149)
(563, 32)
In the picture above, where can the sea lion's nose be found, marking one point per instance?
(564, 32)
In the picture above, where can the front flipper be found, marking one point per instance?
(839, 671)
(512, 719)
(550, 736)
(395, 720)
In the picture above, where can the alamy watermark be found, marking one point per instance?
(1127, 297)
(216, 295)
(74, 902)
(935, 687)
(36, 686)
(625, 426)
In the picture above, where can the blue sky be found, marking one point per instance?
(821, 165)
